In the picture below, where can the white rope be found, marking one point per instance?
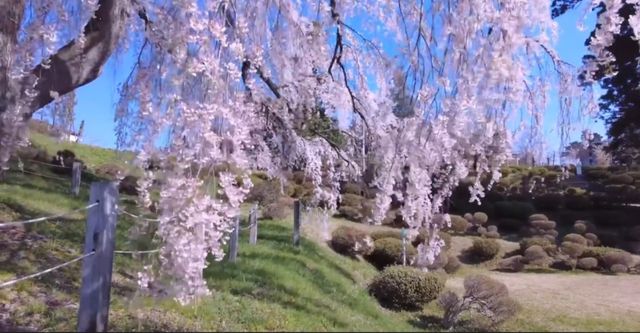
(137, 252)
(138, 217)
(12, 282)
(40, 219)
(41, 175)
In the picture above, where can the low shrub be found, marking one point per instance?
(351, 241)
(537, 217)
(480, 218)
(573, 250)
(592, 239)
(109, 171)
(388, 251)
(622, 179)
(617, 258)
(544, 225)
(618, 268)
(484, 249)
(351, 213)
(588, 263)
(352, 200)
(453, 264)
(526, 243)
(375, 235)
(537, 256)
(511, 264)
(405, 288)
(277, 210)
(264, 192)
(352, 188)
(128, 185)
(579, 227)
(492, 228)
(422, 236)
(575, 238)
(459, 224)
(492, 234)
(485, 305)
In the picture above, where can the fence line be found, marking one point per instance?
(48, 270)
(138, 217)
(40, 175)
(49, 164)
(41, 219)
(136, 252)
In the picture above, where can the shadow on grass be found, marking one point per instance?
(427, 322)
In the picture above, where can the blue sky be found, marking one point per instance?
(96, 100)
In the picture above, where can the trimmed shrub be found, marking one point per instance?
(538, 217)
(573, 250)
(352, 200)
(588, 263)
(109, 171)
(579, 227)
(405, 288)
(484, 249)
(350, 213)
(622, 179)
(618, 268)
(440, 261)
(277, 210)
(526, 243)
(544, 225)
(492, 228)
(536, 255)
(352, 188)
(617, 258)
(593, 238)
(481, 231)
(388, 251)
(375, 235)
(485, 305)
(128, 185)
(468, 217)
(511, 264)
(480, 218)
(351, 242)
(422, 236)
(575, 191)
(492, 234)
(264, 192)
(564, 262)
(453, 264)
(513, 209)
(459, 224)
(575, 238)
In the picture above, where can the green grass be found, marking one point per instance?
(92, 156)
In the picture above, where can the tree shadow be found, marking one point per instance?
(427, 322)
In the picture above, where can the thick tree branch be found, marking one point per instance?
(77, 64)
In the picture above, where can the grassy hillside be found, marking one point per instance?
(273, 286)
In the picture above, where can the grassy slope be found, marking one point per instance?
(272, 286)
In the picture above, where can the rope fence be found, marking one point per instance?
(45, 218)
(48, 270)
(138, 217)
(137, 252)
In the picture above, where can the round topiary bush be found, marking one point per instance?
(422, 236)
(468, 217)
(459, 224)
(618, 268)
(579, 227)
(453, 264)
(480, 218)
(350, 241)
(617, 258)
(538, 217)
(526, 243)
(573, 250)
(492, 228)
(622, 179)
(484, 249)
(593, 238)
(511, 264)
(492, 234)
(588, 263)
(388, 251)
(405, 288)
(543, 224)
(575, 238)
(375, 235)
(537, 256)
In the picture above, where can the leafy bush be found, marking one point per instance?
(618, 268)
(109, 171)
(459, 224)
(352, 188)
(622, 179)
(617, 258)
(537, 217)
(511, 264)
(599, 252)
(575, 238)
(405, 288)
(480, 218)
(453, 264)
(573, 250)
(352, 200)
(378, 234)
(388, 251)
(536, 255)
(588, 263)
(526, 243)
(548, 201)
(277, 210)
(129, 185)
(350, 213)
(513, 209)
(484, 249)
(264, 192)
(486, 301)
(351, 241)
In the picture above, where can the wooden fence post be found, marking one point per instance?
(296, 223)
(253, 221)
(95, 292)
(76, 172)
(233, 242)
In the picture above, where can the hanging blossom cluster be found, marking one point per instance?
(416, 94)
